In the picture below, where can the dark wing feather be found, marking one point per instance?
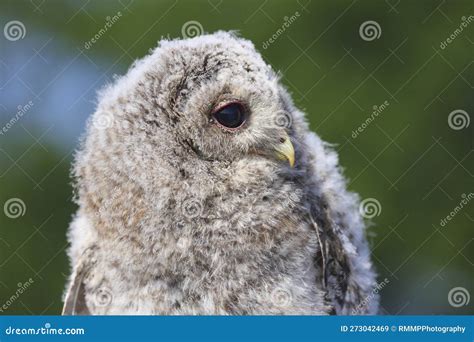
(75, 301)
(334, 262)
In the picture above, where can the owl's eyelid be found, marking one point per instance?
(223, 104)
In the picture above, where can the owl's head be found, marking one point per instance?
(208, 99)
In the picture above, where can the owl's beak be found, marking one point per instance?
(285, 150)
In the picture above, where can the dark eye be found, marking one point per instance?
(230, 116)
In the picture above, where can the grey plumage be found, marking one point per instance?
(180, 216)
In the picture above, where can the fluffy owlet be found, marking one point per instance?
(201, 190)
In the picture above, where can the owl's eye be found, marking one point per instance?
(231, 116)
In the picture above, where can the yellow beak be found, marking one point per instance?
(286, 151)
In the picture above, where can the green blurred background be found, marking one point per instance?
(409, 159)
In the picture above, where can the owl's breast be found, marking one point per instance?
(249, 250)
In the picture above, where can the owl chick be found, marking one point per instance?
(201, 191)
